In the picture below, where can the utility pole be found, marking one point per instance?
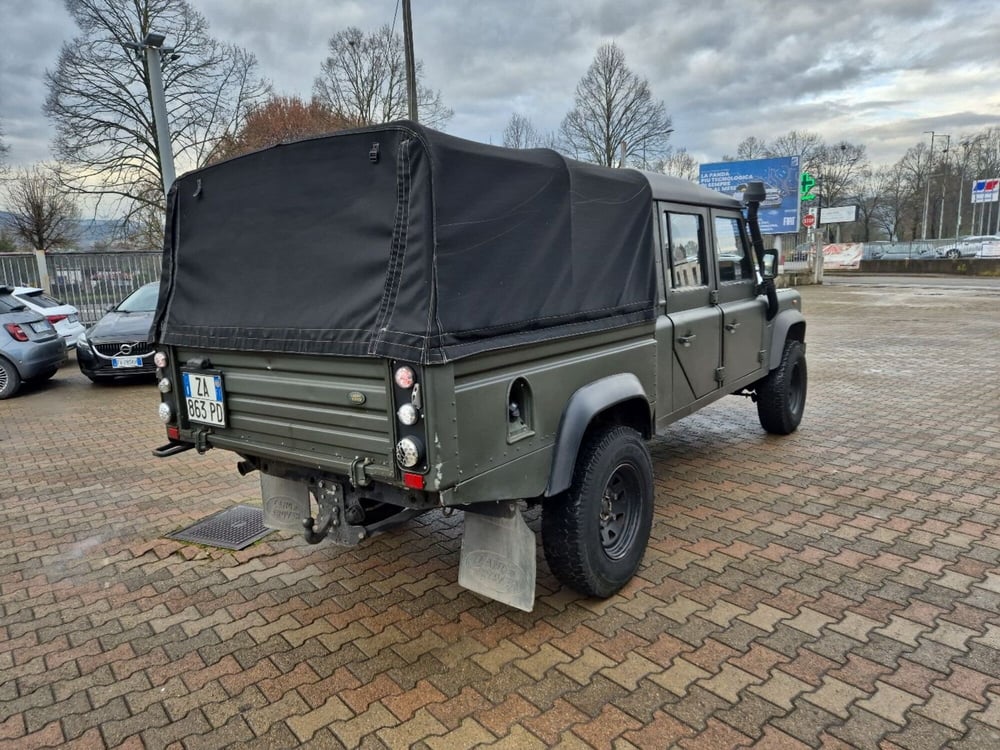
(411, 73)
(153, 48)
(927, 187)
(944, 184)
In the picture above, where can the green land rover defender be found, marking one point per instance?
(391, 320)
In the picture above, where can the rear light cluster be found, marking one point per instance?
(410, 453)
(53, 319)
(16, 331)
(166, 410)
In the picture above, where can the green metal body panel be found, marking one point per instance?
(299, 409)
(303, 410)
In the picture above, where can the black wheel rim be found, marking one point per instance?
(621, 504)
(796, 388)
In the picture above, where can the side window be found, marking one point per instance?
(685, 250)
(731, 250)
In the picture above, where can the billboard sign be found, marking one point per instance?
(779, 213)
(986, 191)
(839, 214)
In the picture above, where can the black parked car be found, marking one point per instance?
(116, 345)
(30, 348)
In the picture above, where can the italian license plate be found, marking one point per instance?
(41, 327)
(126, 362)
(204, 397)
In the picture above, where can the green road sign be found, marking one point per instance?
(806, 183)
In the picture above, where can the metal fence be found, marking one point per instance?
(91, 282)
(18, 269)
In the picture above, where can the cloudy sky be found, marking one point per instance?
(877, 72)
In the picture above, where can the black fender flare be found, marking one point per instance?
(586, 403)
(782, 323)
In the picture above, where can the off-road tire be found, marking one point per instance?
(10, 379)
(781, 396)
(595, 533)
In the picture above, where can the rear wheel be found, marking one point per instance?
(595, 533)
(781, 396)
(10, 379)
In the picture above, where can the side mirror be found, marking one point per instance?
(769, 266)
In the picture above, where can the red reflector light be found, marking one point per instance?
(53, 319)
(413, 481)
(174, 433)
(16, 331)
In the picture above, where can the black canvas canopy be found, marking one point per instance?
(399, 241)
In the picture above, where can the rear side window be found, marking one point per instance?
(8, 303)
(685, 249)
(734, 262)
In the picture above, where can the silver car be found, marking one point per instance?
(30, 348)
(969, 247)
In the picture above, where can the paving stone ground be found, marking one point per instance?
(836, 588)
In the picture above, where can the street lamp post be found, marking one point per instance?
(153, 48)
(944, 184)
(966, 144)
(927, 187)
(411, 72)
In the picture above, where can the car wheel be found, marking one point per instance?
(953, 253)
(10, 379)
(781, 396)
(595, 533)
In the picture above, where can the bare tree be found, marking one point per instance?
(41, 213)
(615, 120)
(798, 143)
(751, 147)
(679, 163)
(839, 166)
(98, 97)
(520, 133)
(279, 119)
(363, 80)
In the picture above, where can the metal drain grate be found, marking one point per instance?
(235, 528)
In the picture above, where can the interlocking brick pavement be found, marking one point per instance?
(836, 588)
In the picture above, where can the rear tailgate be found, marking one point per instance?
(318, 412)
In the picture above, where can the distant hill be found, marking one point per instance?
(90, 233)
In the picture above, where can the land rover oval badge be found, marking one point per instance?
(357, 397)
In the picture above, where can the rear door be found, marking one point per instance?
(742, 310)
(697, 321)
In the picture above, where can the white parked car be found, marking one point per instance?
(969, 247)
(65, 318)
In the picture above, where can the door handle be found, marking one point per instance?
(731, 327)
(686, 340)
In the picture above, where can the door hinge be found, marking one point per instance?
(713, 297)
(760, 355)
(720, 374)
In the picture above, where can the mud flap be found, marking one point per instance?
(498, 555)
(286, 503)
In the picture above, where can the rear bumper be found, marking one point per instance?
(41, 358)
